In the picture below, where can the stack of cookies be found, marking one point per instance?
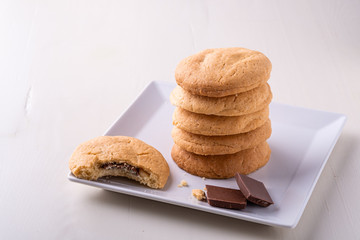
(221, 121)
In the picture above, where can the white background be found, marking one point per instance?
(68, 69)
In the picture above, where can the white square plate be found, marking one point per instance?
(301, 143)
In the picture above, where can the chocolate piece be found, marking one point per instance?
(122, 166)
(225, 197)
(253, 190)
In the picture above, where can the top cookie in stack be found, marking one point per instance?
(223, 71)
(222, 115)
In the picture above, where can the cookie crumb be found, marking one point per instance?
(199, 194)
(203, 178)
(205, 189)
(183, 183)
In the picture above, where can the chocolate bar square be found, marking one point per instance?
(225, 197)
(253, 190)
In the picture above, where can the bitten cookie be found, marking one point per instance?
(211, 125)
(233, 105)
(120, 156)
(219, 145)
(223, 71)
(222, 166)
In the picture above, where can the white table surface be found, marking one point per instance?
(69, 68)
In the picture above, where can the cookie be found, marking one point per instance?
(223, 71)
(233, 105)
(120, 156)
(211, 125)
(222, 166)
(219, 145)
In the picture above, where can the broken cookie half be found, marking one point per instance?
(120, 156)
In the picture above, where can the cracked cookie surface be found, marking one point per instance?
(233, 105)
(211, 125)
(222, 166)
(120, 156)
(223, 71)
(219, 145)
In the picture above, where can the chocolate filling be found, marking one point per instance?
(121, 166)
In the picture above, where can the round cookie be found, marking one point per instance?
(233, 105)
(223, 71)
(222, 166)
(211, 125)
(219, 145)
(120, 156)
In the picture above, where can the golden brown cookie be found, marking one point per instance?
(222, 166)
(120, 156)
(223, 71)
(219, 145)
(211, 125)
(233, 105)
